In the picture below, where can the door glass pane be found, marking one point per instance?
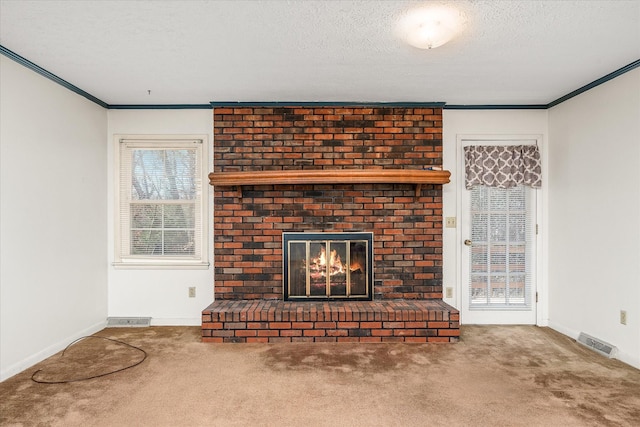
(517, 259)
(479, 290)
(498, 258)
(517, 286)
(479, 227)
(498, 285)
(517, 228)
(501, 234)
(479, 258)
(497, 226)
(480, 199)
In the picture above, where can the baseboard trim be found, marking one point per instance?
(564, 331)
(622, 356)
(176, 321)
(49, 351)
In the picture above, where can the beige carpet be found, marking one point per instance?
(497, 376)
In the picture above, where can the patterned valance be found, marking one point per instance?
(502, 166)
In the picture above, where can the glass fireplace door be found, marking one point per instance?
(327, 269)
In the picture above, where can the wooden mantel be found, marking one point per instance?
(331, 176)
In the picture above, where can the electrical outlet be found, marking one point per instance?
(623, 317)
(448, 292)
(450, 222)
(192, 291)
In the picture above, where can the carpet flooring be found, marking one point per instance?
(495, 376)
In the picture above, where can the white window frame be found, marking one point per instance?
(123, 258)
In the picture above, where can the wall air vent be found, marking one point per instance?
(597, 345)
(131, 322)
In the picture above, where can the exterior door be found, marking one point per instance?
(498, 255)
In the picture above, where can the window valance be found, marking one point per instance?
(502, 166)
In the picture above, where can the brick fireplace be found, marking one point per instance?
(403, 218)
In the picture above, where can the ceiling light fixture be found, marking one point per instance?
(428, 28)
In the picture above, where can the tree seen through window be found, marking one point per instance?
(163, 208)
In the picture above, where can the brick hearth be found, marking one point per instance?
(335, 321)
(249, 221)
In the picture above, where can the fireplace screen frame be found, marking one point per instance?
(326, 238)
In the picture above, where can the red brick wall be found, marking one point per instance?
(249, 225)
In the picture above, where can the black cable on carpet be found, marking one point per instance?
(94, 376)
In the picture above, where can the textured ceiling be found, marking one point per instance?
(194, 52)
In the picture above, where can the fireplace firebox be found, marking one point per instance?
(326, 266)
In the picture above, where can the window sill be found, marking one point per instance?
(160, 265)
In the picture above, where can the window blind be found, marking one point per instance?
(161, 200)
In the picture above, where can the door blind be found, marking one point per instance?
(502, 233)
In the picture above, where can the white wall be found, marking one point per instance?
(491, 123)
(594, 210)
(53, 203)
(160, 294)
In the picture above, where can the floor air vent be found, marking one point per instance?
(123, 322)
(597, 345)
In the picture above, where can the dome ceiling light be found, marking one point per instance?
(428, 27)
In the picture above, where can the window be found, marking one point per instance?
(160, 202)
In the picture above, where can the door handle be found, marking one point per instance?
(467, 242)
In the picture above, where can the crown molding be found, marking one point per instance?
(160, 107)
(217, 104)
(598, 82)
(33, 67)
(497, 107)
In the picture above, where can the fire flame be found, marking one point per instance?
(355, 266)
(318, 265)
